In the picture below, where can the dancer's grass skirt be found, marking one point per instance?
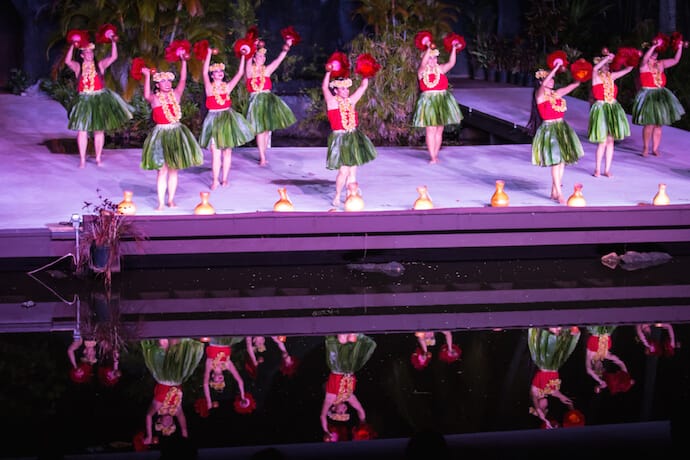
(103, 110)
(607, 120)
(175, 364)
(227, 128)
(656, 106)
(173, 145)
(436, 108)
(268, 112)
(349, 148)
(555, 142)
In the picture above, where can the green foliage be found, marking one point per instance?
(18, 81)
(62, 88)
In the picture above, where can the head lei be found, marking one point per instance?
(434, 52)
(340, 83)
(160, 76)
(166, 430)
(541, 74)
(338, 417)
(261, 50)
(88, 46)
(597, 59)
(217, 66)
(218, 386)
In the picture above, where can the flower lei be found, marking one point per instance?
(88, 75)
(608, 86)
(347, 113)
(656, 74)
(345, 389)
(220, 92)
(172, 401)
(258, 78)
(171, 108)
(431, 70)
(558, 104)
(602, 347)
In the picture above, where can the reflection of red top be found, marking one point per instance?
(647, 80)
(548, 113)
(336, 120)
(546, 381)
(161, 391)
(97, 83)
(593, 342)
(159, 116)
(212, 103)
(598, 91)
(222, 352)
(341, 385)
(442, 83)
(267, 84)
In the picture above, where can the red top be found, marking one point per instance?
(546, 381)
(221, 352)
(336, 120)
(159, 116)
(212, 102)
(97, 83)
(547, 112)
(647, 80)
(441, 86)
(267, 84)
(342, 385)
(598, 91)
(593, 342)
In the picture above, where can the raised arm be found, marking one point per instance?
(72, 349)
(357, 406)
(207, 382)
(238, 76)
(567, 89)
(179, 90)
(645, 58)
(675, 59)
(238, 378)
(270, 68)
(106, 62)
(327, 95)
(422, 65)
(445, 68)
(207, 65)
(357, 95)
(328, 401)
(69, 62)
(146, 72)
(616, 75)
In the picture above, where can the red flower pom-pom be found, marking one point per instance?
(449, 355)
(250, 368)
(423, 39)
(676, 41)
(288, 366)
(246, 406)
(138, 442)
(177, 50)
(626, 57)
(573, 418)
(363, 432)
(108, 376)
(419, 359)
(663, 40)
(366, 65)
(555, 57)
(340, 65)
(252, 33)
(201, 408)
(138, 63)
(668, 349)
(201, 50)
(582, 72)
(289, 33)
(618, 382)
(78, 37)
(106, 33)
(82, 373)
(452, 40)
(245, 46)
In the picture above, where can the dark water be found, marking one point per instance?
(485, 390)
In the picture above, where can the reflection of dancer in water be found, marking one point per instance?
(657, 343)
(171, 362)
(598, 351)
(218, 353)
(421, 357)
(345, 355)
(257, 344)
(549, 348)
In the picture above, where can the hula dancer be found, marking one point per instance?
(598, 351)
(607, 120)
(97, 109)
(436, 106)
(218, 354)
(171, 362)
(555, 143)
(654, 105)
(266, 111)
(223, 128)
(171, 146)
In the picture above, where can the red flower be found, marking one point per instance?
(676, 41)
(340, 65)
(177, 50)
(106, 33)
(201, 50)
(82, 373)
(582, 72)
(252, 33)
(452, 39)
(618, 382)
(626, 57)
(363, 432)
(138, 442)
(246, 46)
(449, 355)
(250, 368)
(668, 349)
(573, 418)
(78, 37)
(419, 359)
(663, 40)
(289, 33)
(553, 58)
(108, 376)
(366, 65)
(201, 408)
(337, 432)
(138, 63)
(246, 406)
(423, 39)
(288, 367)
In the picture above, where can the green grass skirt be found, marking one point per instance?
(656, 106)
(174, 365)
(268, 112)
(436, 108)
(607, 120)
(173, 145)
(227, 128)
(103, 110)
(349, 148)
(554, 143)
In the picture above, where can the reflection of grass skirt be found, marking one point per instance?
(436, 108)
(173, 145)
(607, 120)
(103, 110)
(349, 357)
(349, 148)
(555, 142)
(268, 112)
(174, 365)
(656, 106)
(227, 128)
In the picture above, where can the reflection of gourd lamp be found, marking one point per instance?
(576, 199)
(204, 208)
(354, 201)
(424, 200)
(283, 204)
(499, 198)
(661, 198)
(127, 206)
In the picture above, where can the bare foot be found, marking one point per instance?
(595, 173)
(656, 154)
(171, 204)
(225, 183)
(645, 154)
(82, 165)
(608, 174)
(159, 208)
(336, 201)
(215, 184)
(559, 198)
(263, 162)
(98, 162)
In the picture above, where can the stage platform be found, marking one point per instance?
(42, 189)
